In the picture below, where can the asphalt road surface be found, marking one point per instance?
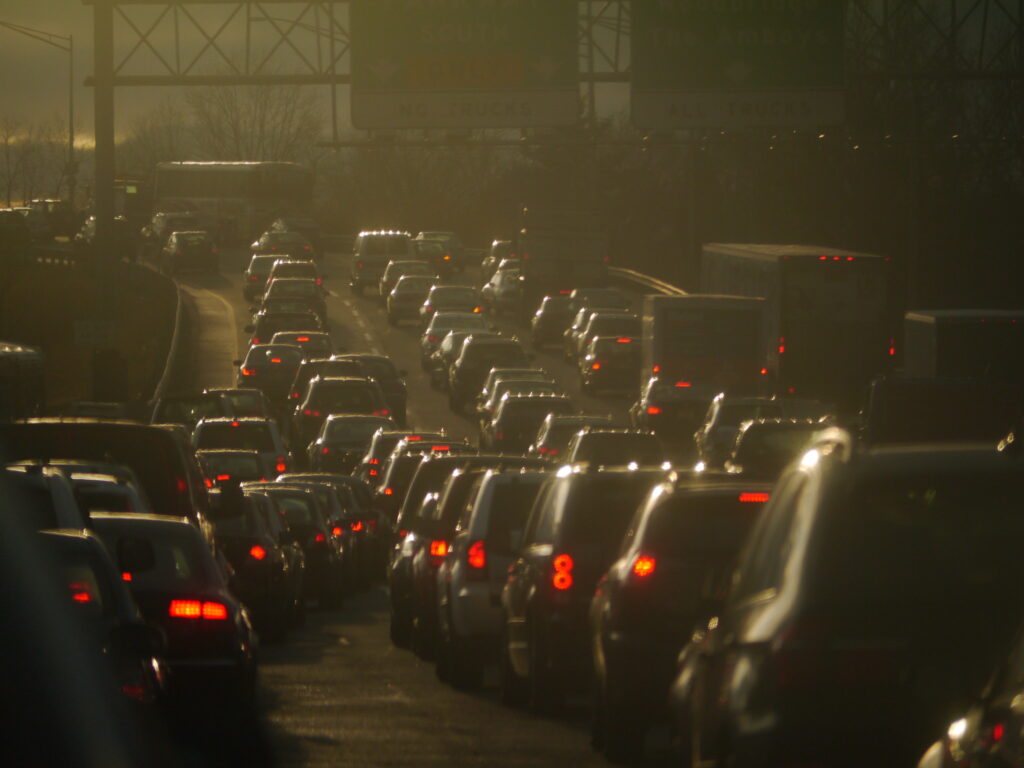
(337, 693)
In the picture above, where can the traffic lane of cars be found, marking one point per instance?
(360, 324)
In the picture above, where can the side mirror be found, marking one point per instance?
(249, 328)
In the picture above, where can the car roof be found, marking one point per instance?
(141, 520)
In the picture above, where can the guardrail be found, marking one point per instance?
(648, 283)
(174, 349)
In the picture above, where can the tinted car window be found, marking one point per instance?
(600, 510)
(509, 510)
(245, 436)
(178, 562)
(381, 369)
(355, 398)
(245, 403)
(385, 245)
(248, 524)
(353, 430)
(923, 539)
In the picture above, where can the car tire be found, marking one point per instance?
(512, 689)
(400, 630)
(544, 691)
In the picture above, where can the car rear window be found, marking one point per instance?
(245, 403)
(599, 510)
(921, 540)
(238, 465)
(193, 239)
(178, 561)
(775, 442)
(247, 524)
(347, 398)
(451, 293)
(510, 507)
(442, 324)
(293, 287)
(505, 354)
(414, 284)
(385, 245)
(528, 414)
(261, 265)
(620, 449)
(188, 411)
(354, 430)
(100, 499)
(302, 269)
(283, 355)
(381, 369)
(246, 436)
(298, 512)
(686, 526)
(32, 503)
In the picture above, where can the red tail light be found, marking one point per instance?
(754, 498)
(236, 424)
(440, 447)
(222, 478)
(208, 482)
(196, 609)
(319, 539)
(562, 577)
(310, 412)
(302, 339)
(438, 549)
(373, 461)
(281, 466)
(254, 278)
(248, 372)
(782, 345)
(373, 473)
(319, 281)
(644, 566)
(388, 492)
(624, 341)
(257, 552)
(255, 340)
(595, 367)
(325, 450)
(182, 485)
(432, 338)
(892, 347)
(683, 384)
(656, 369)
(653, 410)
(764, 371)
(476, 555)
(357, 525)
(80, 593)
(337, 530)
(126, 576)
(413, 438)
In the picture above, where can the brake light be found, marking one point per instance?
(683, 384)
(309, 412)
(222, 478)
(325, 450)
(80, 593)
(254, 278)
(337, 530)
(413, 438)
(478, 309)
(653, 410)
(196, 609)
(375, 462)
(438, 548)
(319, 281)
(656, 369)
(126, 576)
(595, 367)
(623, 341)
(476, 555)
(235, 424)
(302, 338)
(257, 552)
(371, 525)
(357, 525)
(281, 465)
(764, 371)
(754, 498)
(892, 347)
(319, 538)
(373, 473)
(644, 566)
(440, 447)
(208, 482)
(248, 372)
(432, 338)
(388, 492)
(562, 578)
(782, 345)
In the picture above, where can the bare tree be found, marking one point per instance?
(255, 122)
(162, 134)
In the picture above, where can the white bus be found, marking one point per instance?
(241, 199)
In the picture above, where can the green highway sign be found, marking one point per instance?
(464, 63)
(737, 63)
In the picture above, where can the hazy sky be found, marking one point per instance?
(34, 76)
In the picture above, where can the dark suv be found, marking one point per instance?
(572, 536)
(325, 396)
(868, 606)
(478, 356)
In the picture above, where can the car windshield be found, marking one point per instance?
(246, 436)
(922, 540)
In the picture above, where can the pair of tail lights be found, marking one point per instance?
(197, 609)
